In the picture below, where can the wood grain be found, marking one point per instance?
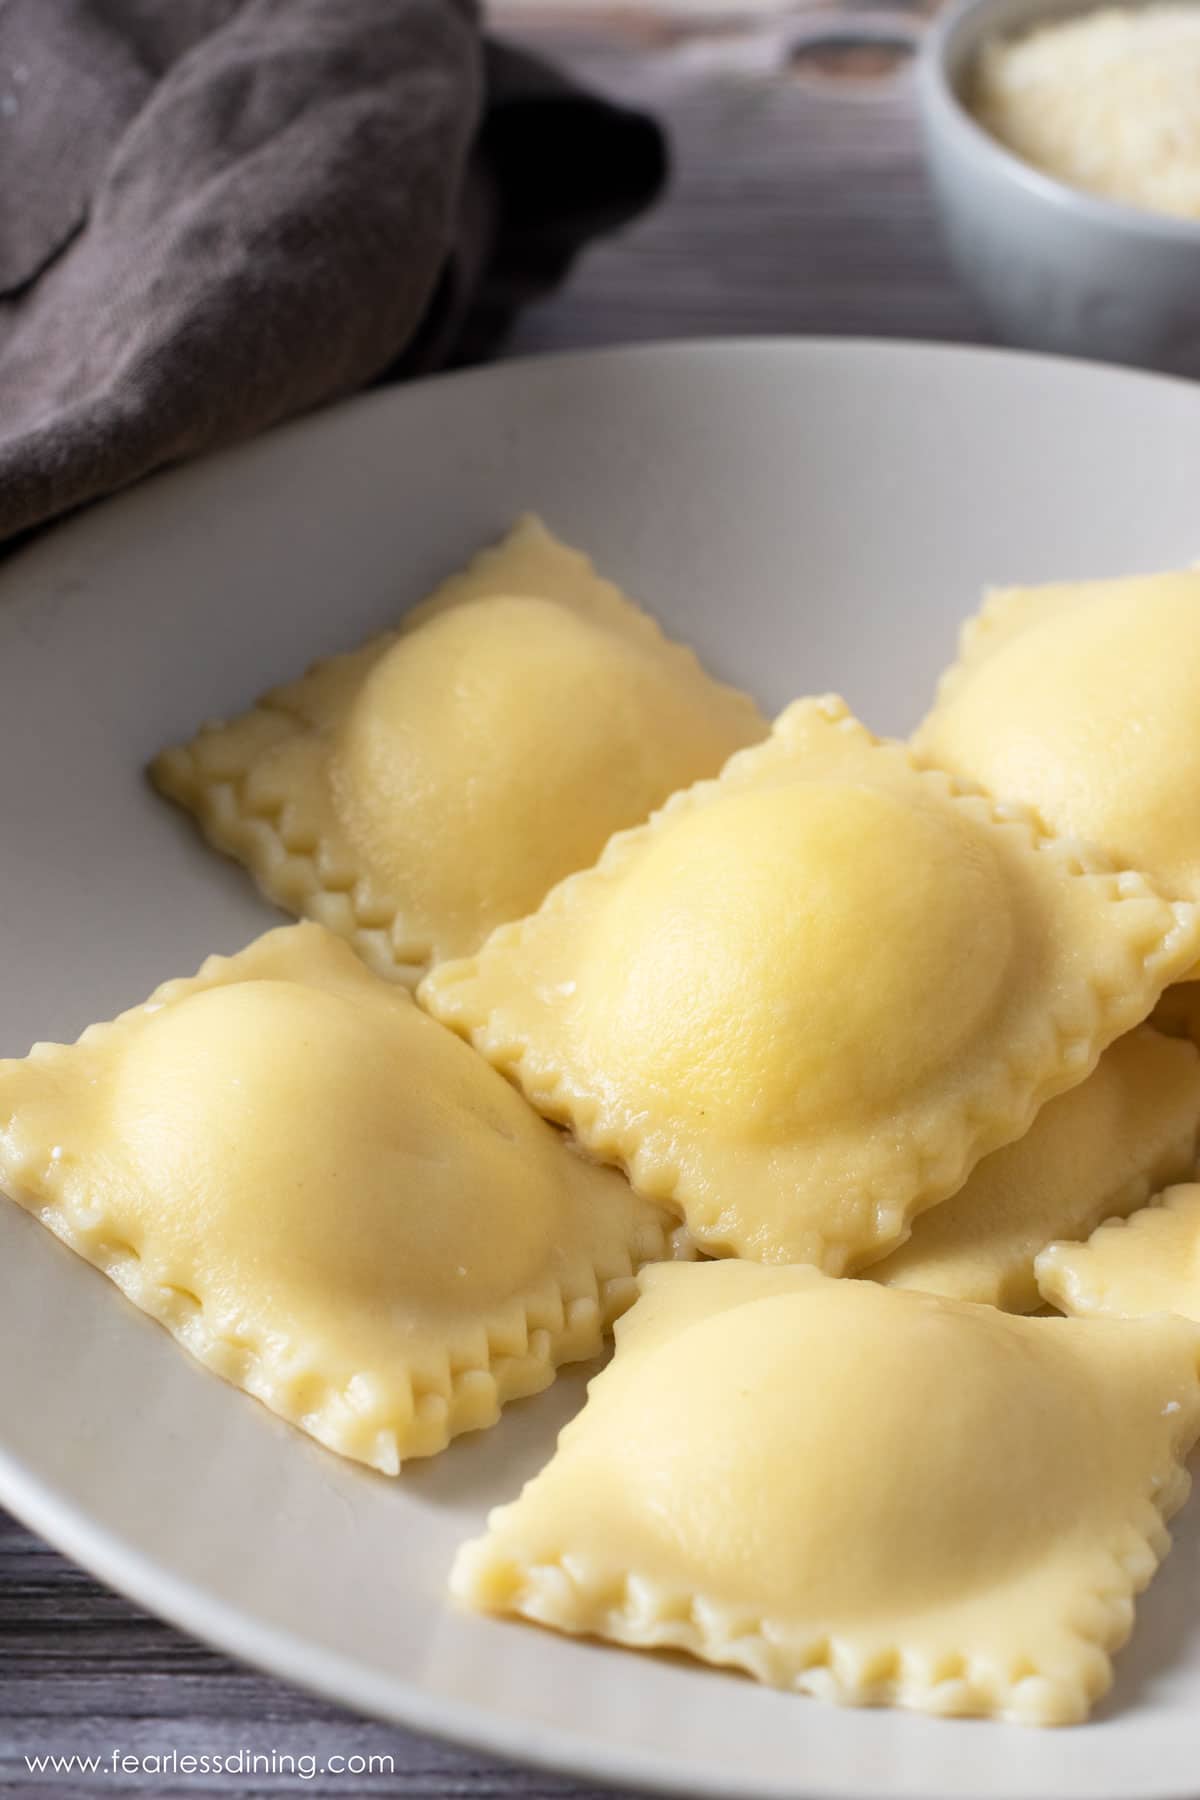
(84, 1673)
(798, 202)
(797, 205)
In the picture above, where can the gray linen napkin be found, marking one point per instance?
(217, 213)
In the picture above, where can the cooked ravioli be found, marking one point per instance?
(1149, 1263)
(1083, 700)
(802, 1001)
(1100, 1150)
(325, 1197)
(1178, 1012)
(417, 792)
(857, 1492)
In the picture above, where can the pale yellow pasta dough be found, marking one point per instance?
(1083, 700)
(803, 1000)
(1149, 1263)
(858, 1492)
(1178, 1012)
(1100, 1150)
(325, 1197)
(416, 792)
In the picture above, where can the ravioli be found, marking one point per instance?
(861, 1493)
(325, 1197)
(802, 1001)
(1149, 1263)
(1095, 1152)
(1083, 700)
(1178, 1012)
(418, 791)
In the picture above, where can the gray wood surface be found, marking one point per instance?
(797, 206)
(798, 202)
(83, 1674)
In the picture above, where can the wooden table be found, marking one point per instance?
(798, 202)
(797, 206)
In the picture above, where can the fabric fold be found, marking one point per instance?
(220, 214)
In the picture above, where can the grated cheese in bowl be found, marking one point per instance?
(1108, 101)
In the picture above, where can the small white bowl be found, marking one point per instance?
(1050, 267)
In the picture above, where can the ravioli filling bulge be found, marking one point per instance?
(334, 1150)
(1087, 710)
(789, 956)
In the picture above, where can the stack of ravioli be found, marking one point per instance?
(821, 1066)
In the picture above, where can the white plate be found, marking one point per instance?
(811, 516)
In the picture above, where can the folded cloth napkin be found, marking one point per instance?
(218, 213)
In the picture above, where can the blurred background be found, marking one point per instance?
(798, 201)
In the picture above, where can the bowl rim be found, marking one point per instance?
(940, 98)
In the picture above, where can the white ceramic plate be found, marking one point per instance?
(811, 516)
